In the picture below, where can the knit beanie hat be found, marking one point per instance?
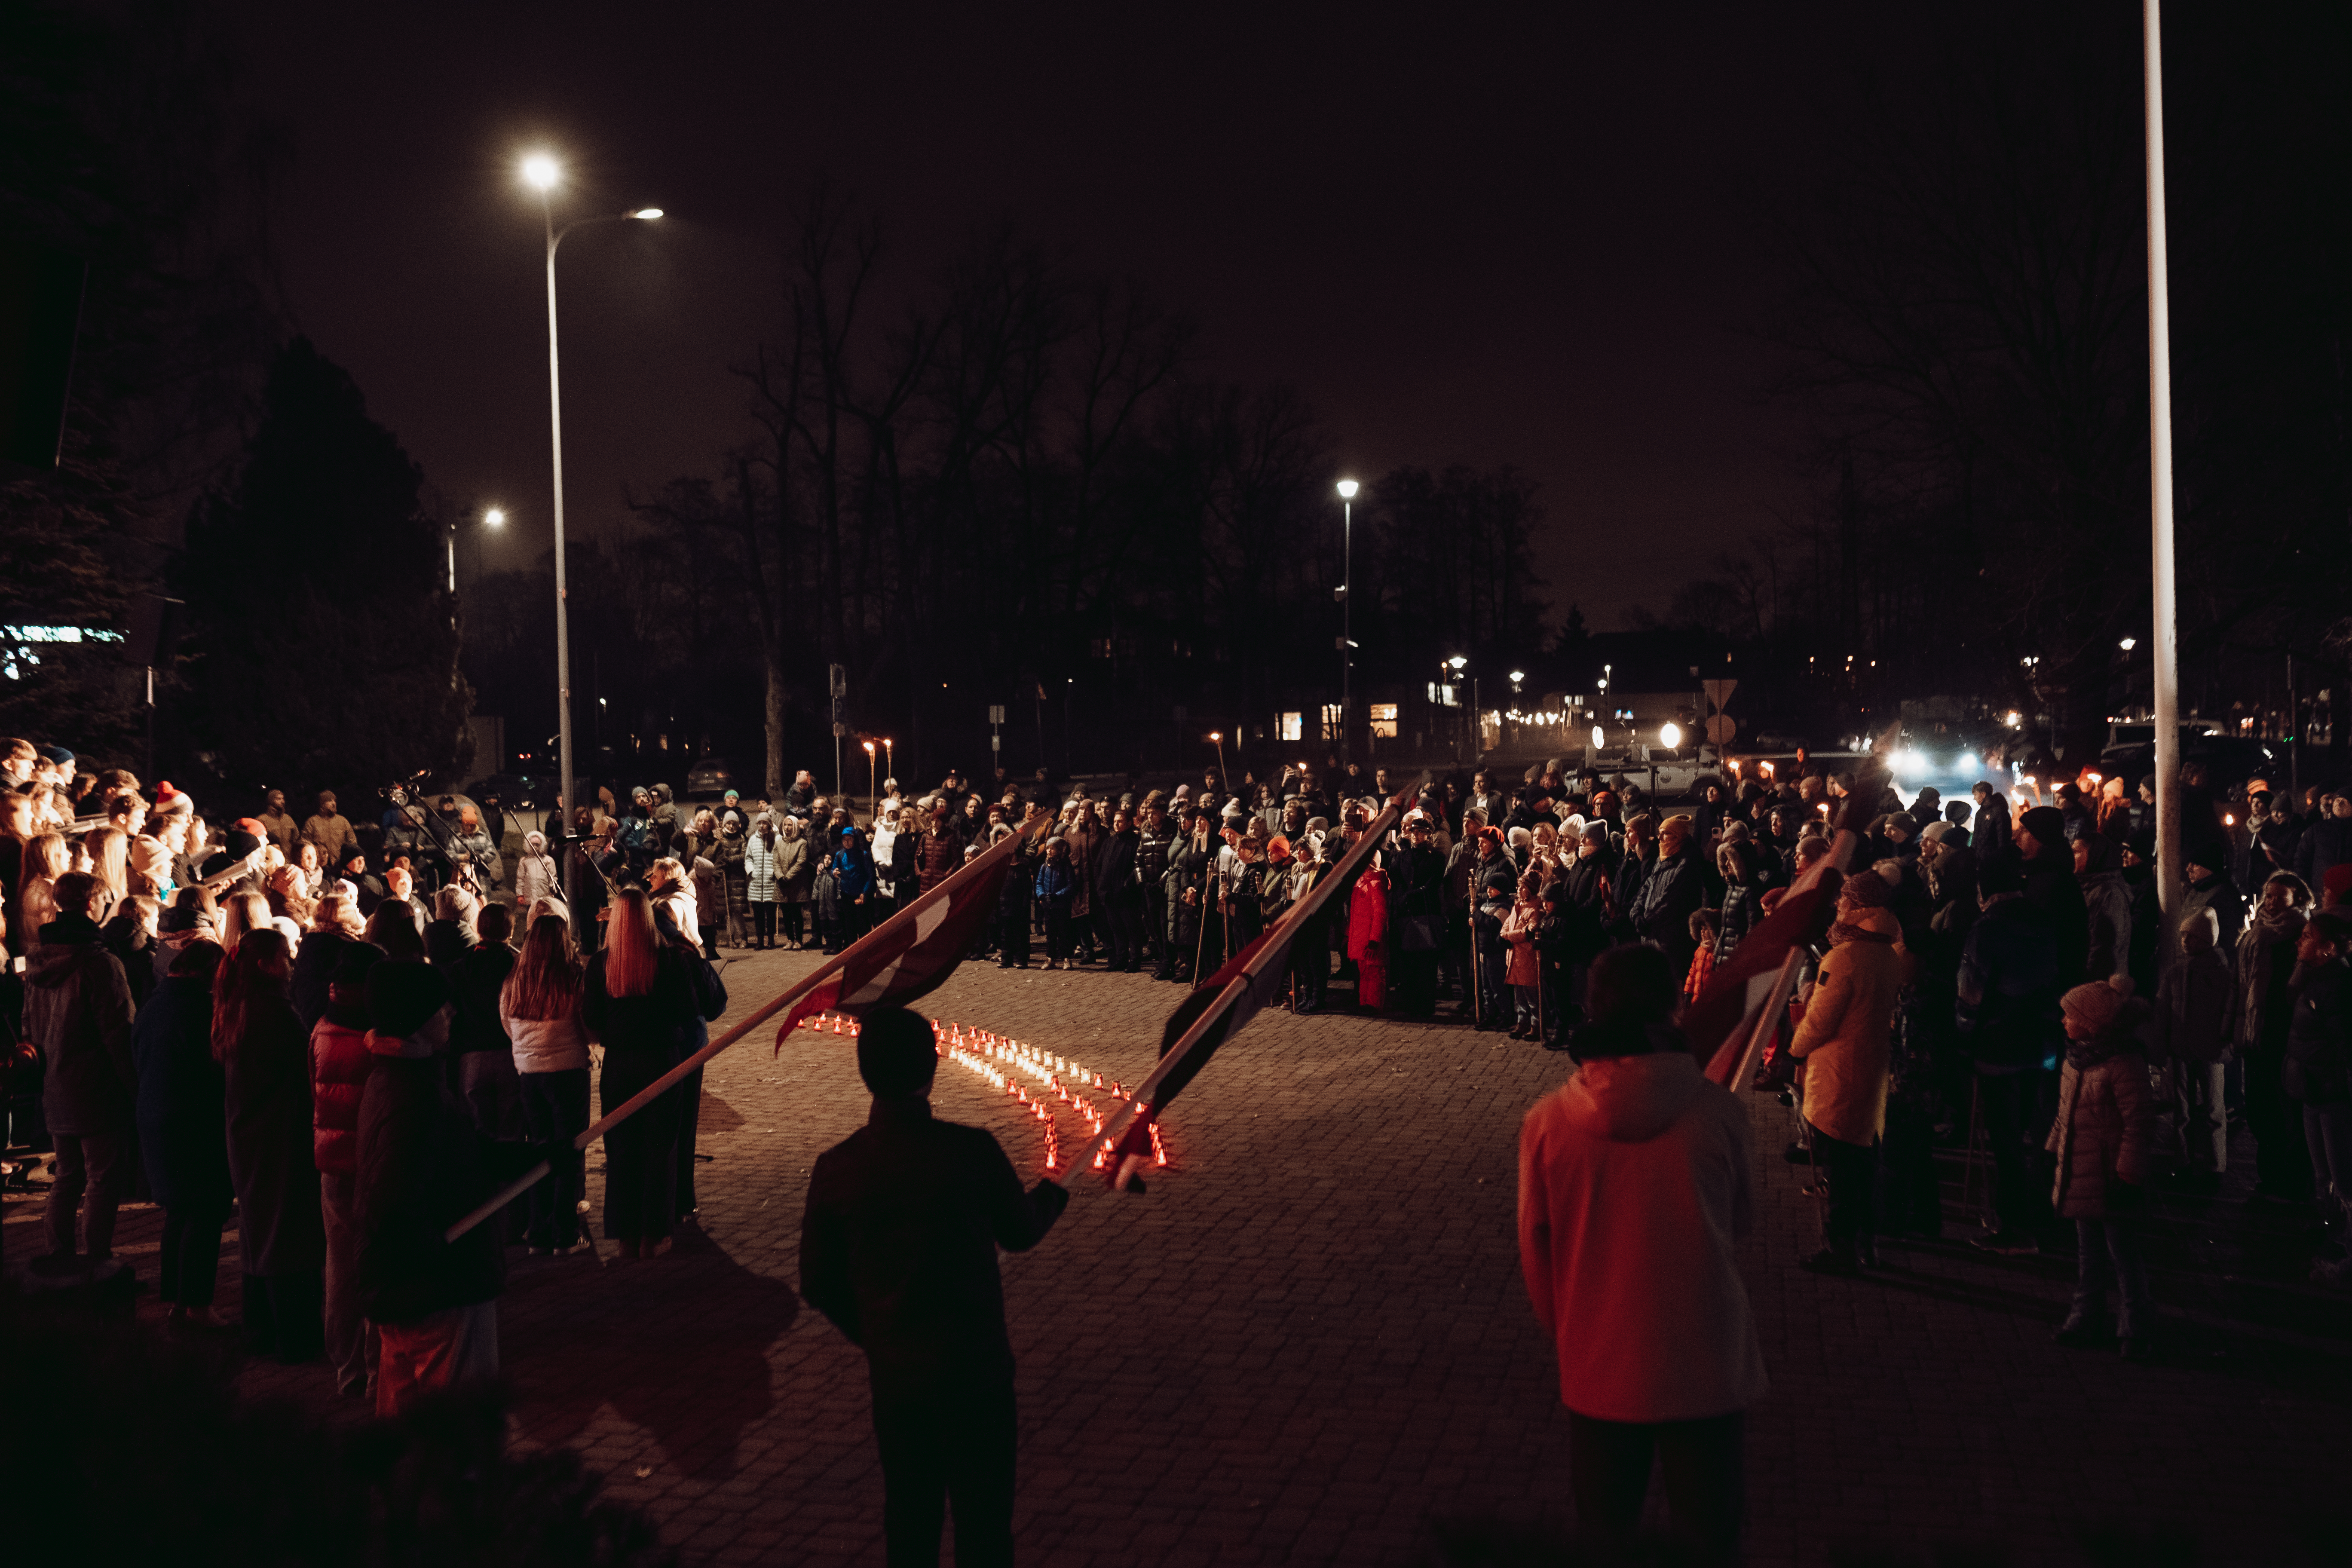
(1868, 889)
(1948, 833)
(2099, 1004)
(2046, 823)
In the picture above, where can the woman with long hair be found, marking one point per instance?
(239, 914)
(266, 1054)
(47, 857)
(182, 1136)
(641, 1000)
(109, 861)
(393, 928)
(540, 1007)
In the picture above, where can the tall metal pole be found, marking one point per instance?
(562, 607)
(2168, 868)
(1346, 627)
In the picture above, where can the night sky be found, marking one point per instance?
(1462, 235)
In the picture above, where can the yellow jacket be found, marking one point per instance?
(1842, 1039)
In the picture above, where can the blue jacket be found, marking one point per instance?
(1054, 883)
(854, 864)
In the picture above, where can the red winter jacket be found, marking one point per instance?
(339, 1061)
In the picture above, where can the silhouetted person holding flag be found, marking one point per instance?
(898, 1248)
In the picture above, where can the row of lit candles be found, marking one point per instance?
(975, 1049)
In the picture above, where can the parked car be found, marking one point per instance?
(709, 778)
(2229, 760)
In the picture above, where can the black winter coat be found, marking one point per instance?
(1671, 892)
(2010, 980)
(422, 1167)
(279, 1228)
(78, 1010)
(183, 1129)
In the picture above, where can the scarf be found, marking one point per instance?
(2266, 936)
(1842, 932)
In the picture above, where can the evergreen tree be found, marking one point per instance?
(325, 642)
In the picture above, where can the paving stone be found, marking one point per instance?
(1309, 1340)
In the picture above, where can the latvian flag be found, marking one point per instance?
(1730, 1020)
(910, 954)
(1221, 1006)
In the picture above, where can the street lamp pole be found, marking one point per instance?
(542, 171)
(1346, 618)
(555, 428)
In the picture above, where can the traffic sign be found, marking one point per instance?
(1721, 728)
(1719, 691)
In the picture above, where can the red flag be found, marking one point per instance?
(910, 953)
(1222, 1005)
(1728, 1022)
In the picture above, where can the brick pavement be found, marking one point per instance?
(1308, 1342)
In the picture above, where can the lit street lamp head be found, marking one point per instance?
(647, 213)
(1457, 661)
(540, 170)
(1347, 489)
(494, 517)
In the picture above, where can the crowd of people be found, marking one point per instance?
(352, 1034)
(350, 1039)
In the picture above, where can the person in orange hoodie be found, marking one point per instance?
(1635, 1185)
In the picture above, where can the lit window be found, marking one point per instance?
(1292, 726)
(1331, 722)
(1384, 719)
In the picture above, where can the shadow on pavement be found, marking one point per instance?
(676, 1344)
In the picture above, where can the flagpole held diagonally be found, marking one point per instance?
(892, 930)
(1180, 1061)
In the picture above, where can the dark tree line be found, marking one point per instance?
(1968, 321)
(119, 148)
(1001, 480)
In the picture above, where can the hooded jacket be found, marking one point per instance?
(1633, 1186)
(78, 1010)
(536, 877)
(1844, 1038)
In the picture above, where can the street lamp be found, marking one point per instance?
(493, 518)
(1347, 488)
(2128, 644)
(543, 174)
